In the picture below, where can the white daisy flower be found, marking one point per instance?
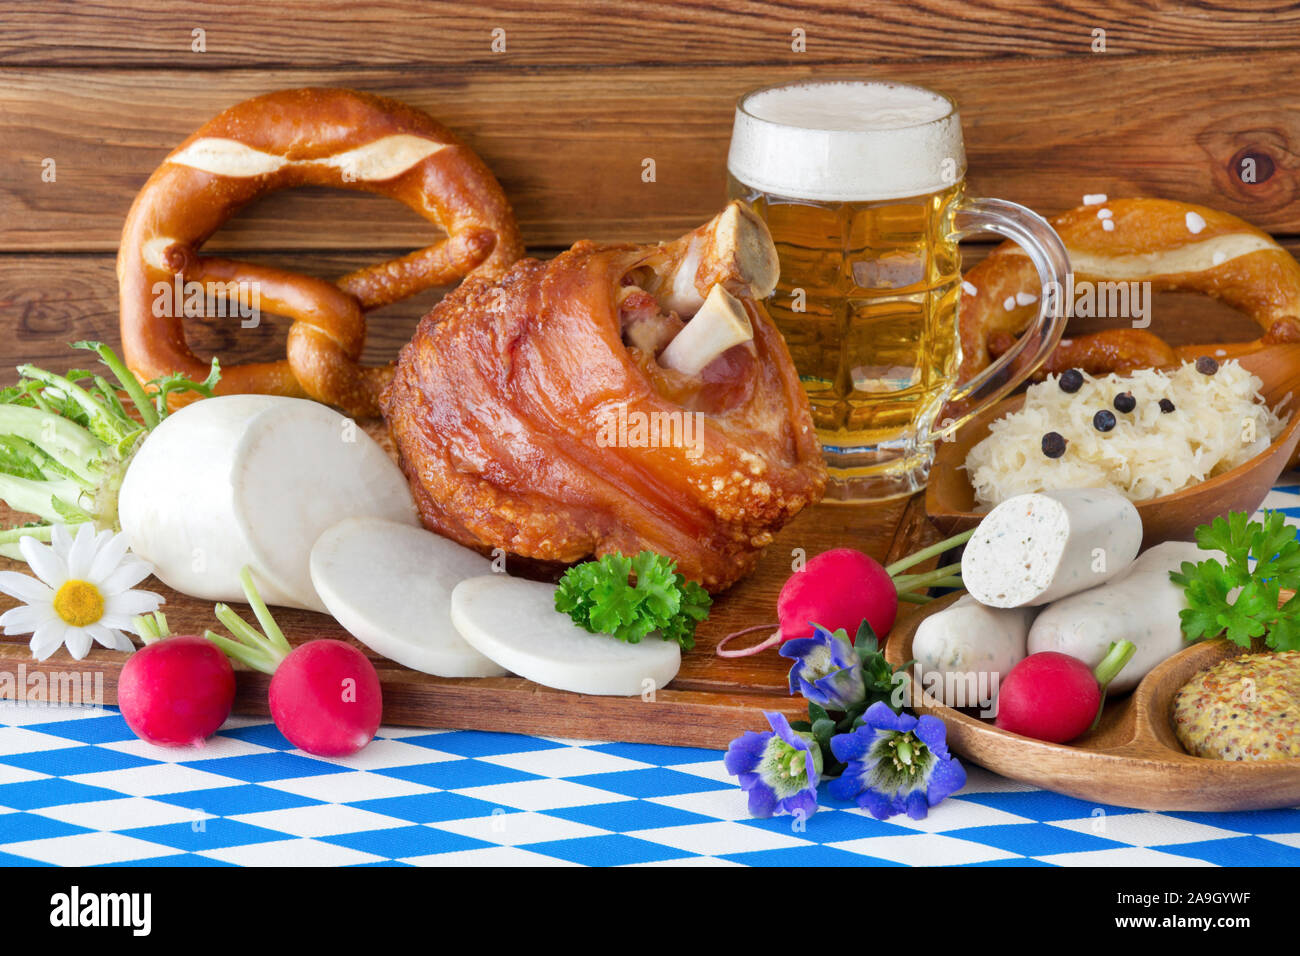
(81, 592)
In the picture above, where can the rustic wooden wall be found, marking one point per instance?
(584, 92)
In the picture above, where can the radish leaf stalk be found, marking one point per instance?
(67, 440)
(261, 650)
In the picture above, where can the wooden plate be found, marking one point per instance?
(712, 701)
(950, 499)
(1132, 759)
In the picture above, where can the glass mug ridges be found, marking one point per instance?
(870, 271)
(866, 302)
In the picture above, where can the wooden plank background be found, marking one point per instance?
(584, 92)
(566, 114)
(617, 32)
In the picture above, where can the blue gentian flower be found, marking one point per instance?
(896, 764)
(779, 768)
(827, 670)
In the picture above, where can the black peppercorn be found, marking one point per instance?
(1125, 402)
(1071, 380)
(1104, 420)
(1054, 444)
(1206, 365)
(1166, 405)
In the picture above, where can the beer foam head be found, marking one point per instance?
(847, 141)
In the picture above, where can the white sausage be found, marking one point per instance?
(963, 652)
(1141, 607)
(1036, 548)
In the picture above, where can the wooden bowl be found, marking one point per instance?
(950, 499)
(1132, 759)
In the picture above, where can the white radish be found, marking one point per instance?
(515, 623)
(389, 585)
(252, 480)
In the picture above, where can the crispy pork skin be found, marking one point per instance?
(531, 416)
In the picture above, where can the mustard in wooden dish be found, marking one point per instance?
(1244, 708)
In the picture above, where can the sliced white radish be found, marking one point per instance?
(389, 585)
(252, 479)
(515, 623)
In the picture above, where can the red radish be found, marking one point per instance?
(1055, 697)
(175, 691)
(842, 587)
(324, 696)
(837, 589)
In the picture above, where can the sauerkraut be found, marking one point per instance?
(1218, 422)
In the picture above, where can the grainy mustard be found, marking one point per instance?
(1245, 708)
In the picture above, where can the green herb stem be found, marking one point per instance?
(928, 579)
(252, 657)
(10, 537)
(911, 598)
(1119, 654)
(152, 627)
(248, 635)
(260, 651)
(65, 445)
(130, 384)
(925, 554)
(72, 446)
(272, 630)
(119, 432)
(38, 497)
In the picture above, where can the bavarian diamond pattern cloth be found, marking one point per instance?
(77, 788)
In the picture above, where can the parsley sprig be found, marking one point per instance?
(631, 597)
(1253, 612)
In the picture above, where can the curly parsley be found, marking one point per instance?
(601, 597)
(1254, 611)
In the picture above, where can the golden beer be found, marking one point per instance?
(861, 185)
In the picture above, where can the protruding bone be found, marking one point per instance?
(680, 294)
(733, 248)
(720, 324)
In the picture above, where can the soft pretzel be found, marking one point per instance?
(1175, 246)
(319, 137)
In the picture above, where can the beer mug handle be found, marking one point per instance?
(1040, 242)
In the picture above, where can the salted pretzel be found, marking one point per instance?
(1175, 246)
(318, 137)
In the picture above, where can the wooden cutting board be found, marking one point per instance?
(712, 701)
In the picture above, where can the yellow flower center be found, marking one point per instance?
(79, 602)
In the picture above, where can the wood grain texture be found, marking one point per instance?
(620, 33)
(47, 301)
(712, 700)
(568, 146)
(1132, 758)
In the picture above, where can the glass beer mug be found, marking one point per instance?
(862, 186)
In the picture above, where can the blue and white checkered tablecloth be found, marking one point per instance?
(78, 788)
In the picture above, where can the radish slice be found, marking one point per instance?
(252, 479)
(389, 585)
(515, 623)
